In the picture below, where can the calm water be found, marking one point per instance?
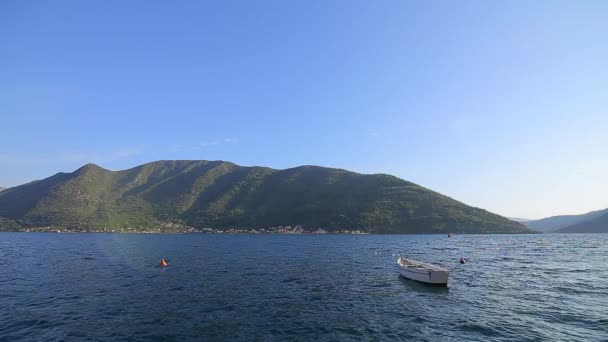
(248, 287)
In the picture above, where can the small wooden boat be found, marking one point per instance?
(423, 272)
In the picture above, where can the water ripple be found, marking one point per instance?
(276, 288)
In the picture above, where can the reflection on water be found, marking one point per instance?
(411, 285)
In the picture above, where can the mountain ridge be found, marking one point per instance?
(519, 219)
(595, 225)
(202, 193)
(556, 223)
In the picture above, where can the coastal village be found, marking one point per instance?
(176, 228)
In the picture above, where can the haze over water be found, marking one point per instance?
(277, 287)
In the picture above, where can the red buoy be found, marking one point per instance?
(163, 263)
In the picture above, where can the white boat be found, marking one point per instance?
(423, 272)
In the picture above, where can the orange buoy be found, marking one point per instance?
(163, 263)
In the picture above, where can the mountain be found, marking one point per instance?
(596, 225)
(519, 219)
(1, 188)
(555, 223)
(221, 194)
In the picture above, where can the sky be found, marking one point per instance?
(502, 105)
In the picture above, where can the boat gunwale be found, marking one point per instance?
(423, 271)
(429, 267)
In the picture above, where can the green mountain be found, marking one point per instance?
(221, 194)
(555, 223)
(519, 219)
(595, 225)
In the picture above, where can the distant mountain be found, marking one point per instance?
(555, 223)
(221, 194)
(1, 188)
(596, 225)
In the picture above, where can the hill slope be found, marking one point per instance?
(519, 219)
(555, 223)
(224, 195)
(596, 225)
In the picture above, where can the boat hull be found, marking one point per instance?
(423, 272)
(429, 277)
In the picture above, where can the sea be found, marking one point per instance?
(110, 287)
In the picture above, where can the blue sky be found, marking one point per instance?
(502, 105)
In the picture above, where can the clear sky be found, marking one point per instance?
(500, 104)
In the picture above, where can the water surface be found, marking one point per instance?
(278, 287)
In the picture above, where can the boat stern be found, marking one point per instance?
(439, 277)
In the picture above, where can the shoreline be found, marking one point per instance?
(201, 233)
(251, 233)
